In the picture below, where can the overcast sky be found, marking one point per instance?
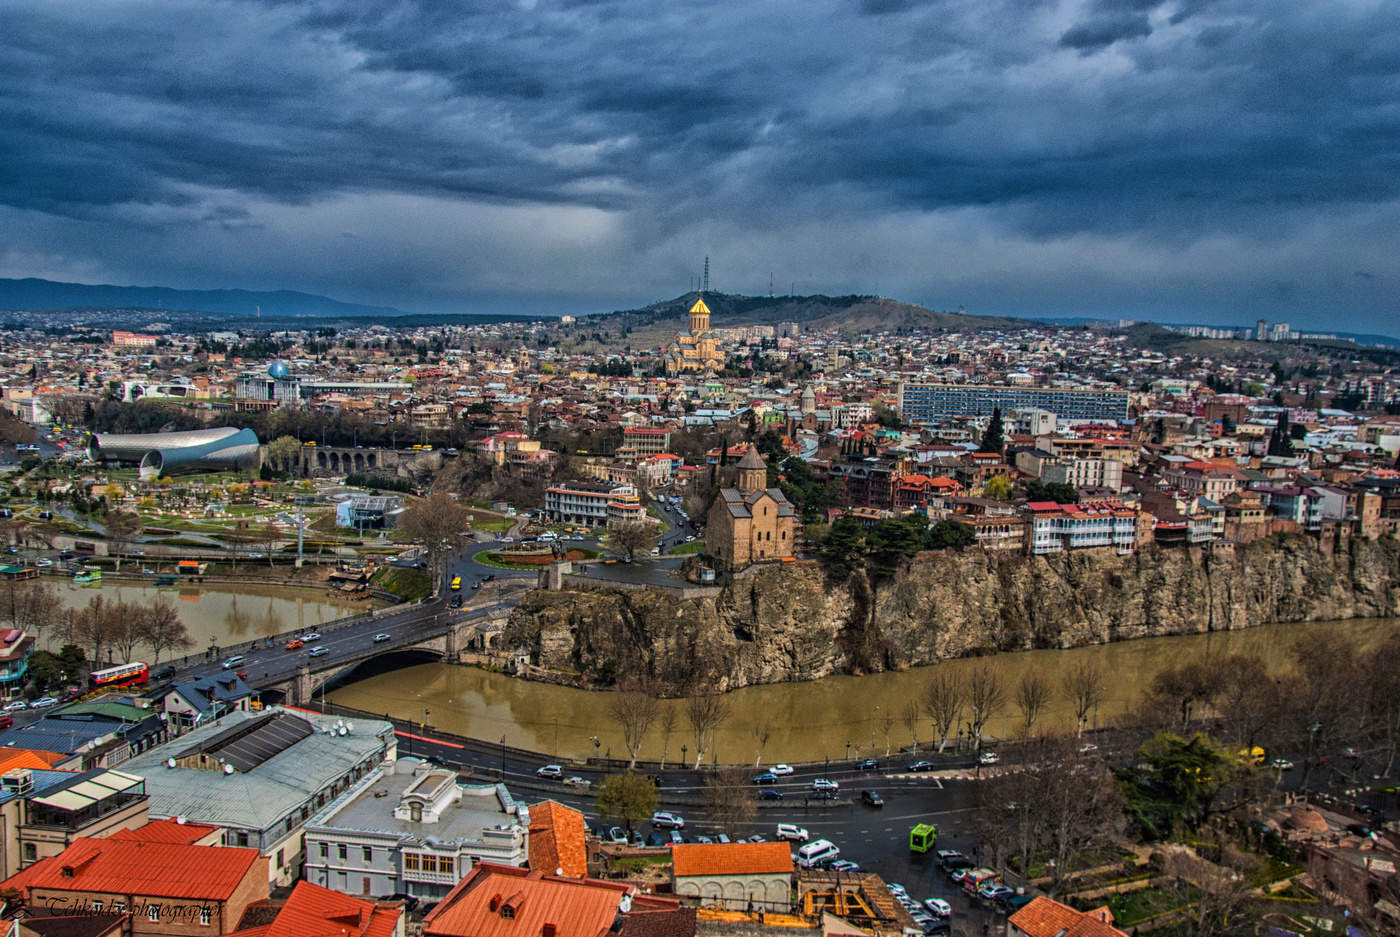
(1185, 160)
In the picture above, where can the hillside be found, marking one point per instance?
(850, 313)
(32, 293)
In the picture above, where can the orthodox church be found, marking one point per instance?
(750, 523)
(696, 351)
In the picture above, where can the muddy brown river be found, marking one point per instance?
(803, 721)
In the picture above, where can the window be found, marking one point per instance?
(367, 853)
(280, 861)
(242, 838)
(119, 906)
(325, 850)
(415, 813)
(445, 865)
(343, 851)
(153, 913)
(206, 917)
(31, 852)
(410, 861)
(287, 824)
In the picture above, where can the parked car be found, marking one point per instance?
(824, 795)
(791, 831)
(988, 758)
(664, 819)
(825, 784)
(255, 556)
(704, 840)
(770, 793)
(869, 764)
(844, 865)
(766, 777)
(43, 702)
(232, 662)
(15, 706)
(617, 835)
(781, 770)
(755, 838)
(921, 766)
(721, 838)
(938, 907)
(164, 673)
(872, 799)
(994, 890)
(6, 721)
(44, 561)
(676, 838)
(656, 839)
(319, 650)
(1282, 764)
(381, 637)
(555, 772)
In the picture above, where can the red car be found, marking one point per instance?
(293, 644)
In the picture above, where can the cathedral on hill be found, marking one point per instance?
(696, 351)
(750, 522)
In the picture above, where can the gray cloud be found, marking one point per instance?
(589, 152)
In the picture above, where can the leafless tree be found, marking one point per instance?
(269, 535)
(630, 536)
(1248, 699)
(122, 528)
(669, 717)
(762, 731)
(633, 707)
(910, 716)
(34, 607)
(1084, 686)
(93, 626)
(162, 630)
(126, 628)
(728, 799)
(1032, 697)
(944, 695)
(986, 692)
(705, 710)
(442, 526)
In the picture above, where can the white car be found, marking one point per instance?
(989, 758)
(43, 702)
(550, 771)
(311, 636)
(791, 831)
(44, 561)
(381, 637)
(665, 820)
(781, 770)
(16, 706)
(825, 784)
(938, 906)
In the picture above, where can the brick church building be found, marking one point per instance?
(750, 522)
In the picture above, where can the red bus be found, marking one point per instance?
(132, 674)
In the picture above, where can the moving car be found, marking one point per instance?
(844, 865)
(311, 636)
(869, 764)
(825, 784)
(781, 770)
(164, 673)
(550, 771)
(318, 651)
(576, 781)
(766, 777)
(666, 820)
(381, 637)
(872, 799)
(791, 831)
(770, 793)
(988, 758)
(43, 702)
(293, 644)
(921, 766)
(232, 662)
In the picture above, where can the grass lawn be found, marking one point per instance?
(681, 549)
(408, 584)
(492, 527)
(1133, 906)
(495, 559)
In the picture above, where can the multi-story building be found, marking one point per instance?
(15, 647)
(1055, 528)
(926, 403)
(1206, 479)
(1084, 473)
(132, 340)
(45, 812)
(647, 440)
(408, 828)
(592, 503)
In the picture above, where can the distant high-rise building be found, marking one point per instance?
(924, 403)
(1261, 330)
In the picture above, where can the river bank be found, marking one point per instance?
(793, 622)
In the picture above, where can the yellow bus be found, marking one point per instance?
(456, 583)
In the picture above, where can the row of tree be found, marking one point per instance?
(106, 628)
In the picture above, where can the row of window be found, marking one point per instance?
(343, 852)
(418, 862)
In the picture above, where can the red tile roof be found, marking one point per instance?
(1044, 917)
(556, 839)
(504, 901)
(731, 859)
(313, 911)
(167, 870)
(167, 831)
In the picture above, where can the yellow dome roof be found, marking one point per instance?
(700, 307)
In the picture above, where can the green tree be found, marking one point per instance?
(999, 488)
(949, 533)
(842, 548)
(1178, 783)
(994, 439)
(770, 445)
(894, 539)
(1054, 491)
(627, 797)
(284, 454)
(1279, 443)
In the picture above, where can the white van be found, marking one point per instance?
(816, 852)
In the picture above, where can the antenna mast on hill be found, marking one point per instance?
(770, 284)
(705, 287)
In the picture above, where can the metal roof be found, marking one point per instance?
(245, 746)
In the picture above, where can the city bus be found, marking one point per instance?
(133, 674)
(456, 583)
(923, 837)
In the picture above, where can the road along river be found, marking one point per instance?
(803, 721)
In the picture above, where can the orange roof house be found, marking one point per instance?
(159, 883)
(313, 911)
(734, 876)
(172, 831)
(504, 901)
(1045, 917)
(556, 840)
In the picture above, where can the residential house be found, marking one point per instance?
(1045, 917)
(734, 876)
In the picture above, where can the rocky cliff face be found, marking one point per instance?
(794, 623)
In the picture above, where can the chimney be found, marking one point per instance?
(549, 930)
(495, 902)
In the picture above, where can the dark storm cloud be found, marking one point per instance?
(1141, 122)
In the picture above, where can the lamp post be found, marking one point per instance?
(683, 751)
(503, 759)
(848, 750)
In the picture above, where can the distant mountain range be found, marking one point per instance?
(34, 294)
(852, 313)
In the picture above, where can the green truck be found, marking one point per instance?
(923, 837)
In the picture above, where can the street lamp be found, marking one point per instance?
(503, 759)
(848, 749)
(683, 751)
